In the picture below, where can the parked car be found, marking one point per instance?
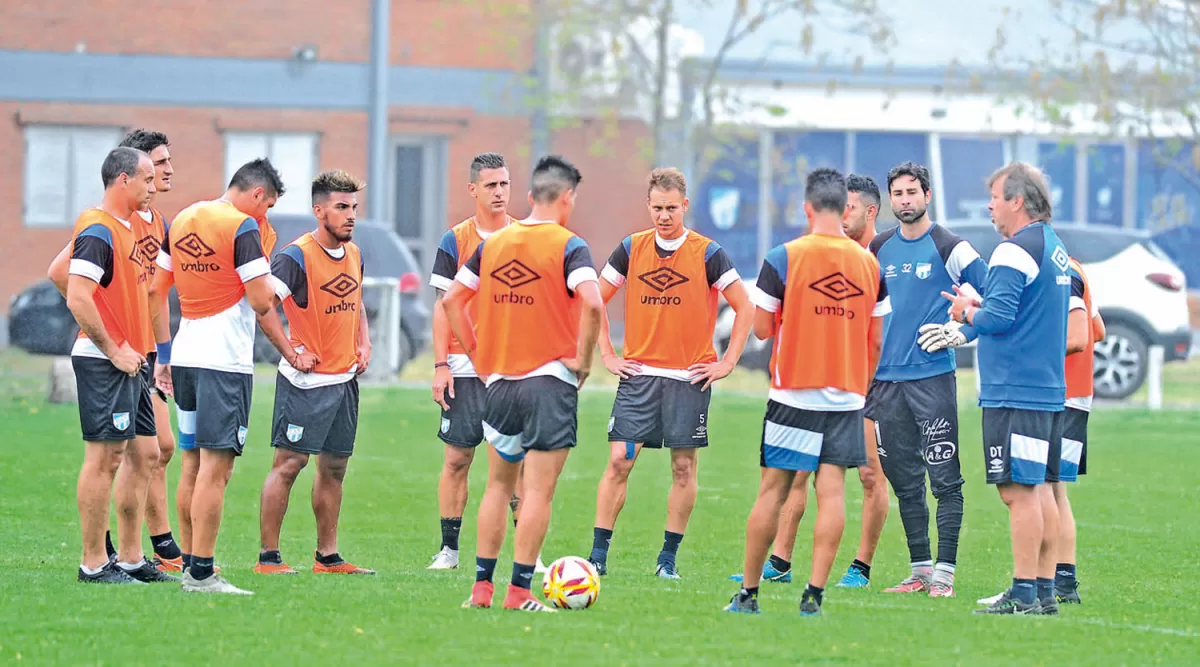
(40, 323)
(1139, 291)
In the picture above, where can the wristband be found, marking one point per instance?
(441, 364)
(163, 353)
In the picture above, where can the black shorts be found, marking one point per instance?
(214, 406)
(109, 400)
(916, 424)
(1072, 433)
(535, 413)
(146, 424)
(801, 440)
(658, 411)
(462, 424)
(1019, 446)
(319, 420)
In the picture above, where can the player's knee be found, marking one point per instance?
(289, 468)
(458, 461)
(683, 470)
(948, 491)
(619, 467)
(334, 467)
(166, 448)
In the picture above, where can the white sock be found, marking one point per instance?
(943, 572)
(922, 567)
(89, 571)
(129, 567)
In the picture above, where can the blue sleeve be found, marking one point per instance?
(619, 259)
(975, 274)
(472, 264)
(1004, 287)
(445, 262)
(288, 267)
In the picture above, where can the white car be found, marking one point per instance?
(1139, 291)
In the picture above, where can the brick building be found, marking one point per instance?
(236, 80)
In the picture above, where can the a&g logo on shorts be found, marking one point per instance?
(294, 433)
(121, 420)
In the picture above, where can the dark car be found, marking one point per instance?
(39, 321)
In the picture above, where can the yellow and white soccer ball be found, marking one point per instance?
(571, 583)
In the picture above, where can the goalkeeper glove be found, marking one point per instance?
(934, 337)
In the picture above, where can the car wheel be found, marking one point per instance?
(1120, 362)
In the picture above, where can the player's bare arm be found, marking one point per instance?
(615, 363)
(80, 292)
(272, 328)
(443, 379)
(1099, 332)
(1077, 330)
(160, 321)
(743, 320)
(364, 341)
(589, 329)
(764, 324)
(59, 267)
(875, 344)
(261, 294)
(455, 304)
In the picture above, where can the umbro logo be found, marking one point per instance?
(1060, 259)
(663, 279)
(514, 274)
(192, 246)
(341, 286)
(837, 287)
(144, 253)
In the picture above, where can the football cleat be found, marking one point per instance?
(854, 578)
(941, 589)
(168, 564)
(213, 584)
(342, 567)
(1047, 607)
(666, 571)
(446, 559)
(273, 568)
(991, 600)
(913, 584)
(809, 605)
(769, 573)
(109, 574)
(521, 599)
(1010, 605)
(601, 566)
(740, 605)
(1067, 596)
(148, 573)
(481, 596)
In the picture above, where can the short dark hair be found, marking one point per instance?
(328, 182)
(913, 169)
(486, 161)
(825, 189)
(553, 176)
(258, 173)
(120, 160)
(145, 140)
(864, 186)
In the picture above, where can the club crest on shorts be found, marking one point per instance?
(612, 423)
(924, 270)
(242, 435)
(294, 433)
(121, 420)
(445, 424)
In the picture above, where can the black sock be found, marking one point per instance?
(780, 564)
(108, 545)
(601, 540)
(1045, 589)
(332, 559)
(202, 568)
(818, 594)
(484, 568)
(514, 522)
(670, 548)
(522, 575)
(1025, 590)
(187, 561)
(165, 545)
(748, 593)
(1064, 576)
(450, 530)
(862, 567)
(270, 558)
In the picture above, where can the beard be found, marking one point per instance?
(911, 216)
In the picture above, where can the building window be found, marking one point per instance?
(62, 171)
(966, 164)
(875, 153)
(293, 154)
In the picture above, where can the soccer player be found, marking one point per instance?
(167, 555)
(456, 386)
(213, 254)
(671, 277)
(913, 398)
(106, 293)
(823, 299)
(1022, 325)
(862, 207)
(540, 312)
(319, 280)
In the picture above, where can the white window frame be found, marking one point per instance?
(70, 169)
(297, 179)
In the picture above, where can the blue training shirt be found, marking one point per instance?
(917, 271)
(1023, 323)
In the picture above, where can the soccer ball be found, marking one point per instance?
(571, 583)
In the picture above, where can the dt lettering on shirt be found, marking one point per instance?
(325, 307)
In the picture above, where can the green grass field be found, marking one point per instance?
(1137, 534)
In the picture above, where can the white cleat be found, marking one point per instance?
(540, 568)
(213, 584)
(446, 559)
(990, 601)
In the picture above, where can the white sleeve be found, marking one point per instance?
(164, 262)
(613, 276)
(255, 268)
(280, 287)
(581, 275)
(89, 270)
(728, 278)
(468, 278)
(764, 300)
(882, 307)
(1014, 256)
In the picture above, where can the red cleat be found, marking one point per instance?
(521, 599)
(481, 596)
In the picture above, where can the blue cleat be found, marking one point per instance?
(666, 571)
(769, 574)
(854, 578)
(740, 605)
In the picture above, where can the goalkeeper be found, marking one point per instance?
(913, 399)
